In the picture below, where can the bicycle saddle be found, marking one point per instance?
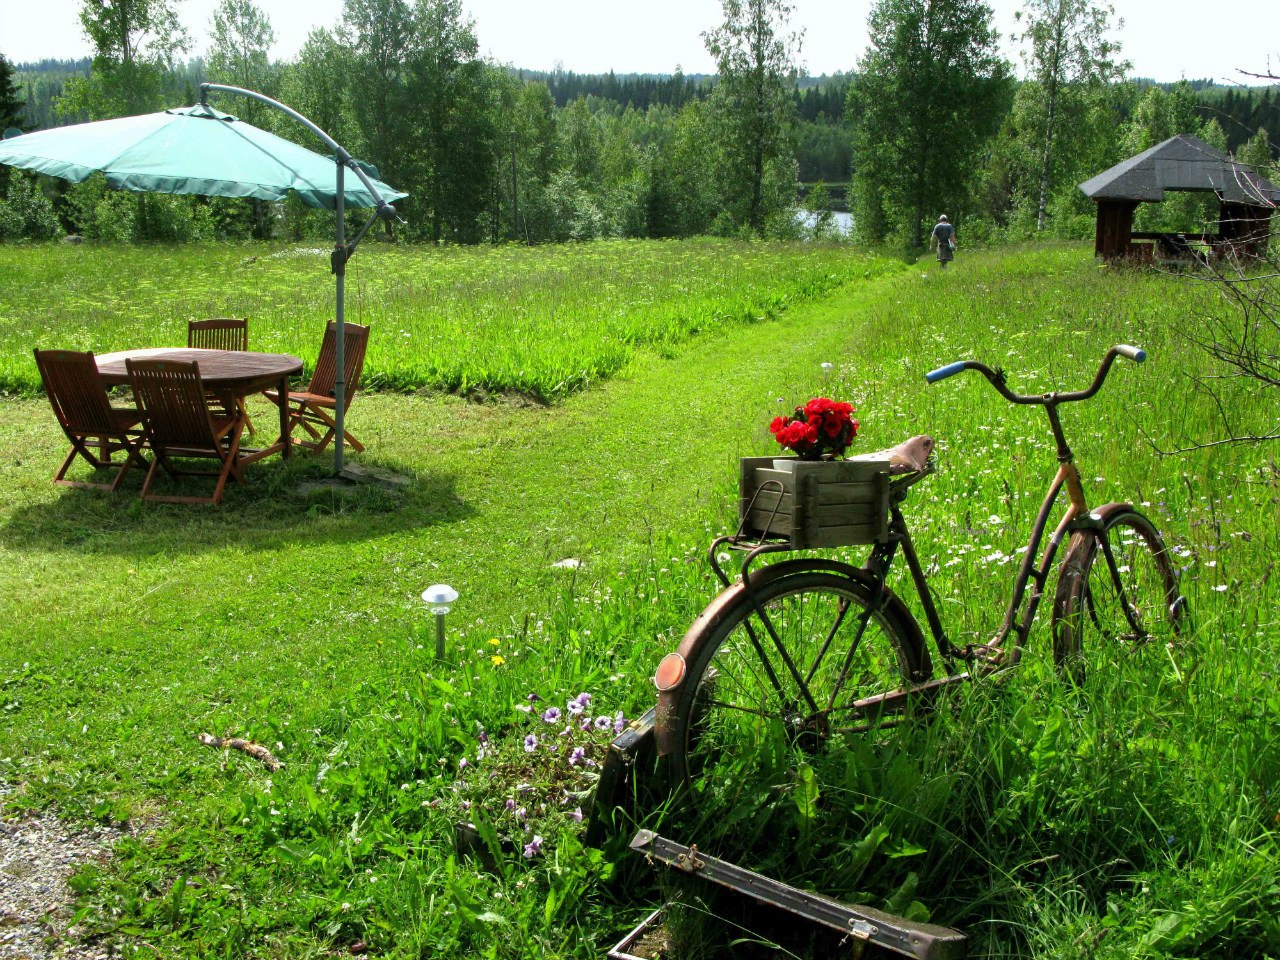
(910, 456)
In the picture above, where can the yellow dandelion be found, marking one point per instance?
(495, 642)
(496, 660)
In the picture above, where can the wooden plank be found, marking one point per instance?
(843, 535)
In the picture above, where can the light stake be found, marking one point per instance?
(438, 597)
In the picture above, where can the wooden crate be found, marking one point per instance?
(823, 503)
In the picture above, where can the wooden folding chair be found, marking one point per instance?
(222, 333)
(310, 408)
(79, 400)
(180, 425)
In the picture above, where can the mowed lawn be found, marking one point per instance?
(1138, 819)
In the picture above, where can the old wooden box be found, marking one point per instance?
(822, 503)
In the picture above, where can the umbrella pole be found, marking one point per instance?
(340, 254)
(340, 375)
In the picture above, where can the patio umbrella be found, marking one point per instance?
(200, 150)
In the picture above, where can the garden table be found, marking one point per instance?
(230, 373)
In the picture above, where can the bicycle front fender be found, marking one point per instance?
(671, 671)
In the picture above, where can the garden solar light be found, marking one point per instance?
(438, 597)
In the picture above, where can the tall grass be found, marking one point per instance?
(544, 322)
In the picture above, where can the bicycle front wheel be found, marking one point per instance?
(787, 668)
(1117, 591)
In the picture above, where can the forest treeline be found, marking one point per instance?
(930, 118)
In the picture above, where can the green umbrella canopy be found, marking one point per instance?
(188, 150)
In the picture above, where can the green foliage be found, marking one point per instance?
(1257, 153)
(12, 107)
(752, 111)
(931, 90)
(26, 213)
(97, 212)
(1071, 59)
(135, 43)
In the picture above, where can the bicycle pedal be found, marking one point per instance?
(983, 653)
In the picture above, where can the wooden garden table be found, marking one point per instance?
(230, 373)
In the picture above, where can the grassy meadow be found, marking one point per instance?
(543, 322)
(1134, 818)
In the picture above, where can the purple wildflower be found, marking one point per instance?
(462, 764)
(603, 723)
(530, 743)
(619, 723)
(576, 815)
(522, 814)
(533, 698)
(586, 723)
(551, 715)
(576, 756)
(584, 699)
(566, 731)
(532, 848)
(465, 804)
(575, 708)
(511, 804)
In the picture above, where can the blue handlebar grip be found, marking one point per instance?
(1136, 354)
(950, 370)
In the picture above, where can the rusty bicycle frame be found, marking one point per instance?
(982, 659)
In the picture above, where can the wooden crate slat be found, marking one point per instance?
(818, 503)
(844, 535)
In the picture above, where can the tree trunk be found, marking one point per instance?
(1051, 91)
(1044, 163)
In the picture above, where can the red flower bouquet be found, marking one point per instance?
(820, 430)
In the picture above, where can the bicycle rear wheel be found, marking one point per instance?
(1117, 590)
(784, 670)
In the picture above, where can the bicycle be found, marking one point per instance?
(801, 651)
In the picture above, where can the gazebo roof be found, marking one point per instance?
(1183, 162)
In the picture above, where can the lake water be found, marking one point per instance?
(843, 221)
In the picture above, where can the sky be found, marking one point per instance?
(1165, 39)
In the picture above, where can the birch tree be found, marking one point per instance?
(753, 106)
(1069, 54)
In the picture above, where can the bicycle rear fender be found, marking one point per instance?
(728, 599)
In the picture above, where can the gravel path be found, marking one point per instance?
(37, 855)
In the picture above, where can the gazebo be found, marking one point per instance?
(1186, 163)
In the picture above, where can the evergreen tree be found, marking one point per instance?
(931, 90)
(754, 107)
(1070, 58)
(12, 106)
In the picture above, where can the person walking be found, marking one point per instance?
(944, 238)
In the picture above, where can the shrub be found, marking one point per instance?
(27, 214)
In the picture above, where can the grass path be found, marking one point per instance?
(142, 626)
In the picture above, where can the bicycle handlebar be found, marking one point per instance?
(1136, 354)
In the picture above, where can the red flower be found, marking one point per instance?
(822, 428)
